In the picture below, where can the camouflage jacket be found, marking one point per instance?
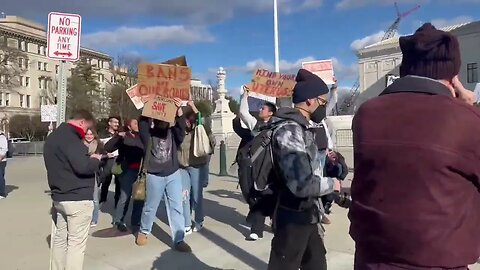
(296, 156)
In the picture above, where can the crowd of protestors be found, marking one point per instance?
(414, 193)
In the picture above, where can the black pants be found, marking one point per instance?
(257, 219)
(296, 247)
(327, 201)
(104, 189)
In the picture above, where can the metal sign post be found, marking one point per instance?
(63, 43)
(62, 93)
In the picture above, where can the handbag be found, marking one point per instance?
(139, 188)
(117, 169)
(201, 141)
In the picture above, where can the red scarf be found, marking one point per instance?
(79, 130)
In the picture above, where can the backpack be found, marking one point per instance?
(256, 174)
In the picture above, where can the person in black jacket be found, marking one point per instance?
(130, 153)
(71, 178)
(163, 176)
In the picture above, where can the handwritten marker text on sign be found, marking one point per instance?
(164, 80)
(272, 84)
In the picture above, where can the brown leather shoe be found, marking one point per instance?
(183, 247)
(141, 239)
(325, 220)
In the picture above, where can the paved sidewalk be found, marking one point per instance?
(25, 228)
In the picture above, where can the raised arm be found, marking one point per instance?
(244, 112)
(294, 164)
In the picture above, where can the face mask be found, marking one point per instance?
(319, 114)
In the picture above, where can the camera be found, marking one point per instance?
(343, 199)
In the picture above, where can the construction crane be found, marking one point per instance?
(348, 105)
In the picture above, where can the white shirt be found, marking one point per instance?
(3, 147)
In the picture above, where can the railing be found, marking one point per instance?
(28, 148)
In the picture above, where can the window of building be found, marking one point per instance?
(44, 84)
(7, 99)
(21, 81)
(21, 100)
(45, 66)
(40, 83)
(101, 77)
(28, 101)
(27, 64)
(57, 67)
(1, 98)
(22, 46)
(3, 78)
(472, 73)
(27, 81)
(39, 49)
(21, 62)
(40, 66)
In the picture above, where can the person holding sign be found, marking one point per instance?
(255, 217)
(193, 167)
(162, 140)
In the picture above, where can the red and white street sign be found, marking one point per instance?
(64, 36)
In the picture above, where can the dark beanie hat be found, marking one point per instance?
(308, 86)
(430, 53)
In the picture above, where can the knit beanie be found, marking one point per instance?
(308, 86)
(430, 53)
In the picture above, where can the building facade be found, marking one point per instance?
(382, 60)
(38, 80)
(201, 91)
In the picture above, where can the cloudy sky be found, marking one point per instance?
(238, 34)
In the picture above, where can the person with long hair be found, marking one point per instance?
(130, 153)
(95, 146)
(194, 172)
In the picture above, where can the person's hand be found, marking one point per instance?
(337, 186)
(122, 134)
(178, 102)
(462, 93)
(96, 156)
(110, 155)
(246, 90)
(191, 103)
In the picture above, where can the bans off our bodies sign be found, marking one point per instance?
(272, 84)
(160, 108)
(164, 80)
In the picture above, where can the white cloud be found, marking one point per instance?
(147, 36)
(343, 71)
(197, 11)
(366, 41)
(439, 23)
(285, 66)
(348, 4)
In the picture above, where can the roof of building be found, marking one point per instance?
(394, 40)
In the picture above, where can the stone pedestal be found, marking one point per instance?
(222, 117)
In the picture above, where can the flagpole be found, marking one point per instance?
(275, 33)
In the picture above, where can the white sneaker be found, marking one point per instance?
(253, 237)
(198, 227)
(188, 231)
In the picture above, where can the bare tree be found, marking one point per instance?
(125, 71)
(13, 64)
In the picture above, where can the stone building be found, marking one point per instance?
(382, 60)
(201, 91)
(41, 73)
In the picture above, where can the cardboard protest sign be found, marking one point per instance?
(137, 100)
(179, 61)
(272, 84)
(164, 80)
(160, 108)
(322, 68)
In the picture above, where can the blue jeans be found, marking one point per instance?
(3, 192)
(192, 184)
(170, 187)
(126, 180)
(96, 206)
